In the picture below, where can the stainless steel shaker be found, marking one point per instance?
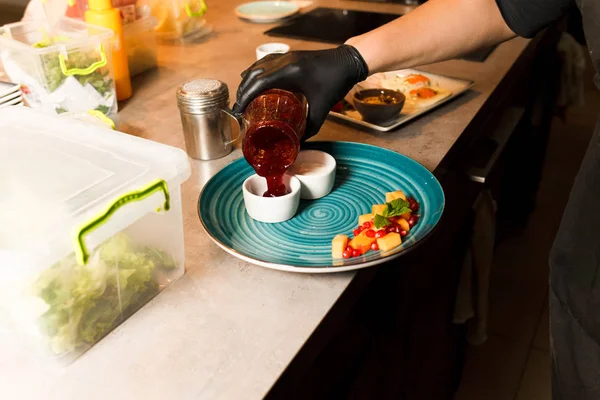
(206, 119)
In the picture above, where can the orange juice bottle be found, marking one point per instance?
(102, 13)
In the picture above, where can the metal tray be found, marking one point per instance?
(455, 85)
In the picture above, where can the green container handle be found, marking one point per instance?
(82, 71)
(81, 251)
(190, 13)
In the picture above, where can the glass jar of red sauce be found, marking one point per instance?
(274, 123)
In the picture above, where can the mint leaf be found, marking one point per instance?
(380, 221)
(396, 208)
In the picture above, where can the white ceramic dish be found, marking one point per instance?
(271, 48)
(270, 209)
(266, 12)
(409, 112)
(316, 172)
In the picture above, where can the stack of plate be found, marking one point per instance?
(10, 94)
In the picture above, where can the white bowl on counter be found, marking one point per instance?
(316, 172)
(270, 209)
(271, 48)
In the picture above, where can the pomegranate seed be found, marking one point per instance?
(390, 229)
(370, 233)
(374, 246)
(349, 249)
(403, 233)
(367, 225)
(360, 228)
(347, 254)
(356, 253)
(416, 218)
(356, 232)
(380, 233)
(397, 229)
(411, 222)
(414, 206)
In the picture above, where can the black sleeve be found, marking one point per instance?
(528, 17)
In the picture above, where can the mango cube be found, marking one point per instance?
(338, 246)
(378, 209)
(389, 241)
(404, 224)
(406, 215)
(391, 196)
(365, 218)
(362, 243)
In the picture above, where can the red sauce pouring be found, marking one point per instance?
(275, 122)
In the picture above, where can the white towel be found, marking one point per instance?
(471, 305)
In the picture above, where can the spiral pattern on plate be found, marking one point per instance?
(364, 174)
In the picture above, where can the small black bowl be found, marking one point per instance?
(378, 112)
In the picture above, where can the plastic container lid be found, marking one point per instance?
(59, 173)
(66, 35)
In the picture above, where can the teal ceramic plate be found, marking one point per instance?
(303, 244)
(266, 11)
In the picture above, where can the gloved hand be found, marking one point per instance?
(323, 76)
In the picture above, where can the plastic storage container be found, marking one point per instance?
(140, 40)
(178, 19)
(64, 68)
(90, 228)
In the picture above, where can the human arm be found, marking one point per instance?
(436, 31)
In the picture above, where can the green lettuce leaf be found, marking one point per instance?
(87, 301)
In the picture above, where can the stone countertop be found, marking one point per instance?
(227, 329)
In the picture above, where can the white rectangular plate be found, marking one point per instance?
(455, 86)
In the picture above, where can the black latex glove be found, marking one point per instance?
(323, 76)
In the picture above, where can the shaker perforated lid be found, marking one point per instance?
(201, 94)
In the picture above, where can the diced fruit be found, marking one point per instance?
(374, 246)
(365, 218)
(357, 253)
(391, 196)
(404, 224)
(380, 233)
(370, 233)
(362, 243)
(413, 220)
(378, 209)
(338, 246)
(367, 225)
(389, 241)
(414, 205)
(406, 216)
